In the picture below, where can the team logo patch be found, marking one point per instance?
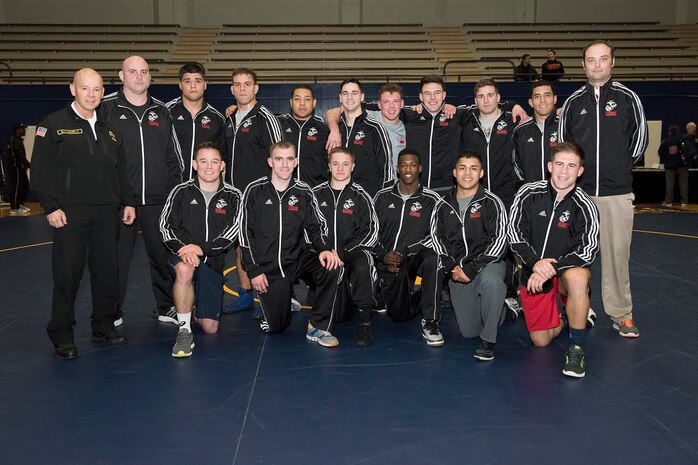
(246, 125)
(347, 207)
(113, 137)
(312, 134)
(153, 119)
(414, 210)
(69, 132)
(292, 201)
(501, 127)
(358, 138)
(220, 206)
(563, 221)
(443, 120)
(475, 210)
(553, 139)
(205, 122)
(401, 140)
(41, 131)
(611, 108)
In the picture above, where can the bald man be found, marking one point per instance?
(79, 173)
(154, 166)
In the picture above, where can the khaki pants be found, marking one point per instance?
(616, 231)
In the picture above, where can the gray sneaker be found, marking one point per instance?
(184, 343)
(322, 337)
(431, 333)
(626, 328)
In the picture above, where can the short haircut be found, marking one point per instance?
(568, 146)
(193, 68)
(343, 150)
(390, 88)
(284, 144)
(542, 83)
(351, 81)
(305, 87)
(690, 123)
(432, 79)
(247, 71)
(409, 151)
(598, 42)
(524, 56)
(206, 146)
(673, 130)
(484, 83)
(551, 50)
(468, 154)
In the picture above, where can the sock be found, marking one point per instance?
(577, 336)
(184, 320)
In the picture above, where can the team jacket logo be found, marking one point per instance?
(611, 108)
(312, 133)
(443, 120)
(414, 209)
(501, 127)
(346, 208)
(246, 125)
(553, 139)
(153, 119)
(401, 140)
(205, 122)
(220, 206)
(113, 137)
(292, 201)
(563, 221)
(358, 138)
(475, 210)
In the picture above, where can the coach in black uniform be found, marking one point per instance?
(154, 167)
(79, 174)
(195, 121)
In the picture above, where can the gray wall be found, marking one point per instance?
(429, 12)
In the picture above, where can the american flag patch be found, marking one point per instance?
(41, 132)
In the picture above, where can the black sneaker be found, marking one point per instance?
(574, 362)
(364, 336)
(431, 333)
(168, 315)
(485, 351)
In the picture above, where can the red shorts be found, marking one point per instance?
(540, 310)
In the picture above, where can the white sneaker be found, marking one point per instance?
(24, 209)
(18, 212)
(295, 305)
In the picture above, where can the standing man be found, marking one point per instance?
(308, 132)
(353, 233)
(277, 214)
(251, 130)
(534, 139)
(195, 121)
(525, 71)
(554, 229)
(552, 70)
(16, 172)
(80, 177)
(407, 213)
(471, 227)
(608, 121)
(689, 145)
(199, 225)
(154, 166)
(675, 166)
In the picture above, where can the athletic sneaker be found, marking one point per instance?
(485, 351)
(18, 212)
(591, 318)
(23, 209)
(168, 316)
(666, 204)
(626, 328)
(684, 205)
(324, 338)
(245, 301)
(184, 343)
(513, 308)
(431, 333)
(574, 362)
(364, 336)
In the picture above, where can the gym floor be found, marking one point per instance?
(248, 398)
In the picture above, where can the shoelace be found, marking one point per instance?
(627, 323)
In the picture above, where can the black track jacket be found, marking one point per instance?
(310, 138)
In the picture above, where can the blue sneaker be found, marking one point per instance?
(245, 301)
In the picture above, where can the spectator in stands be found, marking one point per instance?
(154, 165)
(80, 177)
(552, 70)
(251, 130)
(675, 165)
(608, 121)
(195, 121)
(525, 71)
(16, 166)
(690, 145)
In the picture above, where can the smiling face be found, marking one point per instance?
(543, 101)
(564, 170)
(409, 169)
(209, 165)
(390, 105)
(88, 89)
(468, 172)
(282, 162)
(192, 86)
(350, 97)
(432, 96)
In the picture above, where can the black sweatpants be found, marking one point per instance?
(16, 185)
(276, 302)
(401, 304)
(89, 236)
(148, 221)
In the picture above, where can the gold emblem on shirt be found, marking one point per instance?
(69, 132)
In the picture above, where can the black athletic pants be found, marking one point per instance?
(401, 304)
(276, 302)
(89, 236)
(148, 221)
(16, 185)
